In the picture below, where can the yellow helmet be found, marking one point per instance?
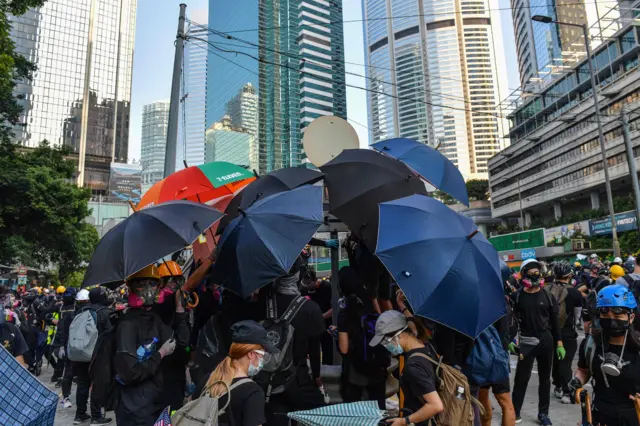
(169, 269)
(616, 272)
(61, 289)
(577, 264)
(150, 271)
(38, 290)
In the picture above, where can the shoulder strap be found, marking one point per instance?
(630, 281)
(293, 308)
(433, 361)
(240, 383)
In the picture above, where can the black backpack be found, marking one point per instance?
(105, 388)
(280, 370)
(363, 358)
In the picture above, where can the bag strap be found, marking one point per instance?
(293, 309)
(433, 361)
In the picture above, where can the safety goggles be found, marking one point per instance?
(264, 355)
(388, 338)
(615, 310)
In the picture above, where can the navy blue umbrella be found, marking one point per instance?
(448, 270)
(263, 242)
(428, 163)
(146, 236)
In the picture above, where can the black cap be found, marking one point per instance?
(252, 333)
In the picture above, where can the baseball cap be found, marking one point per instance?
(388, 322)
(252, 333)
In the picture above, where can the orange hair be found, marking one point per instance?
(225, 371)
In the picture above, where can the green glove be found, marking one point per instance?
(561, 352)
(512, 348)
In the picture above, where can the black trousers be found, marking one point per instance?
(302, 394)
(58, 370)
(621, 418)
(353, 393)
(543, 354)
(327, 348)
(562, 372)
(81, 370)
(67, 378)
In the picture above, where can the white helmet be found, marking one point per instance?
(530, 264)
(617, 261)
(83, 295)
(594, 256)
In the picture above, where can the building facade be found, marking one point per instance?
(242, 109)
(554, 164)
(300, 78)
(235, 145)
(436, 75)
(153, 142)
(80, 94)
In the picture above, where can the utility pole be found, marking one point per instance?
(631, 160)
(174, 106)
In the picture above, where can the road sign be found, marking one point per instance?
(22, 280)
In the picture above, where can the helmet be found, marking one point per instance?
(617, 261)
(46, 291)
(530, 264)
(83, 295)
(562, 269)
(577, 264)
(61, 289)
(603, 271)
(629, 265)
(593, 256)
(169, 269)
(616, 296)
(150, 271)
(504, 270)
(616, 272)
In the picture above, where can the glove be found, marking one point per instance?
(334, 244)
(61, 353)
(561, 352)
(512, 348)
(167, 347)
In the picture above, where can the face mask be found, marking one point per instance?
(253, 370)
(615, 327)
(393, 348)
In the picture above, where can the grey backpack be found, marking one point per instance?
(205, 410)
(83, 336)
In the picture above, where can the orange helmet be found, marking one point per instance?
(169, 269)
(150, 271)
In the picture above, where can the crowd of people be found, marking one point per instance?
(147, 345)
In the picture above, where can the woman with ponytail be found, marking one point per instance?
(249, 352)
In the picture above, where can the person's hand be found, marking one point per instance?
(179, 302)
(61, 352)
(400, 300)
(398, 421)
(319, 382)
(512, 348)
(167, 347)
(561, 352)
(635, 398)
(573, 385)
(334, 244)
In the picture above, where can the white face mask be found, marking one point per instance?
(255, 369)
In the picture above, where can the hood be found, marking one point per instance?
(98, 296)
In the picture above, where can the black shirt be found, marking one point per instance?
(418, 378)
(322, 295)
(615, 398)
(247, 405)
(12, 340)
(536, 313)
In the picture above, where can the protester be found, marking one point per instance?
(612, 359)
(319, 290)
(67, 312)
(537, 313)
(53, 347)
(11, 338)
(630, 278)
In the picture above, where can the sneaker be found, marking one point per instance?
(558, 393)
(54, 378)
(100, 421)
(58, 384)
(544, 420)
(81, 418)
(518, 419)
(66, 403)
(566, 399)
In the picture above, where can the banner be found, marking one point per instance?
(624, 222)
(125, 182)
(557, 233)
(519, 240)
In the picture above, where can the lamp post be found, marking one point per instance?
(605, 166)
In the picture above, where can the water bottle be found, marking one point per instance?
(460, 392)
(145, 351)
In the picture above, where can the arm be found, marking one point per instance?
(315, 350)
(343, 343)
(181, 329)
(328, 314)
(126, 362)
(432, 407)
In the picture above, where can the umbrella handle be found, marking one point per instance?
(636, 402)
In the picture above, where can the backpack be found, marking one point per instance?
(488, 362)
(363, 358)
(457, 412)
(205, 410)
(561, 293)
(280, 370)
(83, 336)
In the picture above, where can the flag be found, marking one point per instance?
(164, 419)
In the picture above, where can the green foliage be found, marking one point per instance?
(478, 189)
(444, 197)
(74, 279)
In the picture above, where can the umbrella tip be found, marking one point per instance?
(471, 235)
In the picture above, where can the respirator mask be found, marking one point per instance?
(143, 293)
(533, 279)
(612, 364)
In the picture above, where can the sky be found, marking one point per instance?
(156, 26)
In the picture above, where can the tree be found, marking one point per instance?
(444, 197)
(478, 189)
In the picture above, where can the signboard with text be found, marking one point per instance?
(519, 240)
(528, 254)
(125, 182)
(624, 222)
(557, 233)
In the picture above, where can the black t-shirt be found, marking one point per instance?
(322, 295)
(418, 378)
(247, 405)
(536, 313)
(12, 340)
(615, 398)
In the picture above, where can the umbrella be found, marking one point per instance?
(359, 179)
(277, 181)
(263, 242)
(428, 163)
(146, 236)
(363, 413)
(448, 271)
(206, 183)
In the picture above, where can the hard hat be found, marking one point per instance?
(618, 260)
(83, 295)
(616, 272)
(150, 271)
(616, 296)
(577, 264)
(61, 289)
(169, 269)
(46, 291)
(593, 256)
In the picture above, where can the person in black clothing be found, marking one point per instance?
(418, 380)
(138, 361)
(67, 312)
(11, 339)
(319, 290)
(537, 313)
(572, 300)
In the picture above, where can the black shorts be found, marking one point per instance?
(499, 388)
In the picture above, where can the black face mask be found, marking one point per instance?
(614, 327)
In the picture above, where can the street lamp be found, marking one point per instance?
(605, 166)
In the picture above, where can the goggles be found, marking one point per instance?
(616, 310)
(388, 338)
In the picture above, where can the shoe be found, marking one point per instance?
(58, 384)
(557, 392)
(81, 418)
(66, 403)
(518, 419)
(544, 420)
(566, 399)
(54, 379)
(100, 421)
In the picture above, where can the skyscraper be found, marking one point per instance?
(435, 74)
(300, 78)
(235, 145)
(153, 142)
(80, 95)
(242, 109)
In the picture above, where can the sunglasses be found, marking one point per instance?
(615, 310)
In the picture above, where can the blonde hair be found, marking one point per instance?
(225, 371)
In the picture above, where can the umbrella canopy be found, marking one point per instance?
(364, 413)
(204, 184)
(359, 179)
(146, 236)
(448, 270)
(264, 241)
(277, 181)
(428, 163)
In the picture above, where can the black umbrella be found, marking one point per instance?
(277, 181)
(146, 236)
(359, 179)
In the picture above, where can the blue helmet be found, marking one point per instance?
(504, 270)
(616, 296)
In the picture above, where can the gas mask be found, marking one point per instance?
(612, 364)
(533, 279)
(143, 293)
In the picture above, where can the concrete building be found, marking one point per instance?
(153, 142)
(554, 163)
(231, 144)
(242, 109)
(80, 94)
(428, 70)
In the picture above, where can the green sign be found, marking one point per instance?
(519, 240)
